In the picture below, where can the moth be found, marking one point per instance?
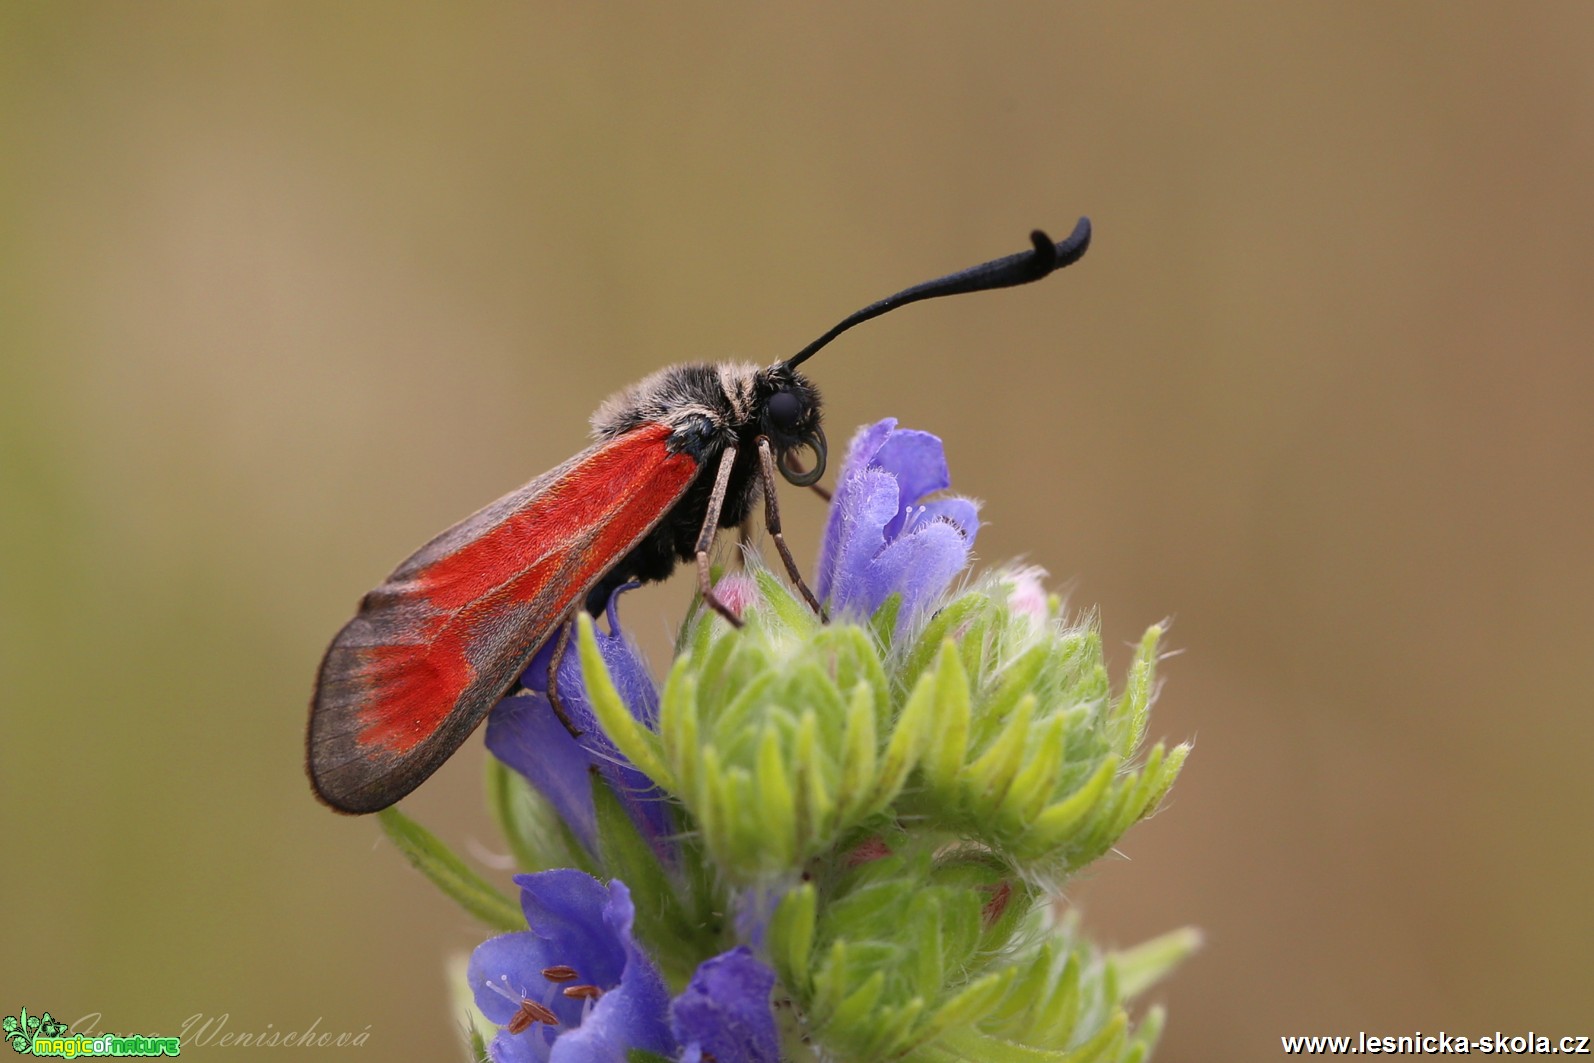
(687, 451)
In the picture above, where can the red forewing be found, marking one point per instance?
(436, 645)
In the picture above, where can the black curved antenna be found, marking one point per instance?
(1006, 272)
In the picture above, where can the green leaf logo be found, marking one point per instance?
(16, 1028)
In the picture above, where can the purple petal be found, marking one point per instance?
(919, 566)
(866, 442)
(632, 1015)
(570, 910)
(918, 461)
(532, 1045)
(871, 547)
(513, 963)
(524, 733)
(535, 677)
(725, 1011)
(869, 505)
(623, 660)
(963, 512)
(579, 922)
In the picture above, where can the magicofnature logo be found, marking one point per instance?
(20, 1030)
(42, 1035)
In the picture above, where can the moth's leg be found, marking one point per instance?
(705, 538)
(766, 470)
(559, 649)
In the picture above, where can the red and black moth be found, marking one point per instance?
(678, 456)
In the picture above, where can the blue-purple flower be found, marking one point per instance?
(579, 939)
(883, 537)
(524, 732)
(724, 1014)
(580, 966)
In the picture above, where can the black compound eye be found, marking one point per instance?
(785, 409)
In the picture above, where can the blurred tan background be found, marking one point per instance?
(287, 288)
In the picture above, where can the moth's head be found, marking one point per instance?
(789, 414)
